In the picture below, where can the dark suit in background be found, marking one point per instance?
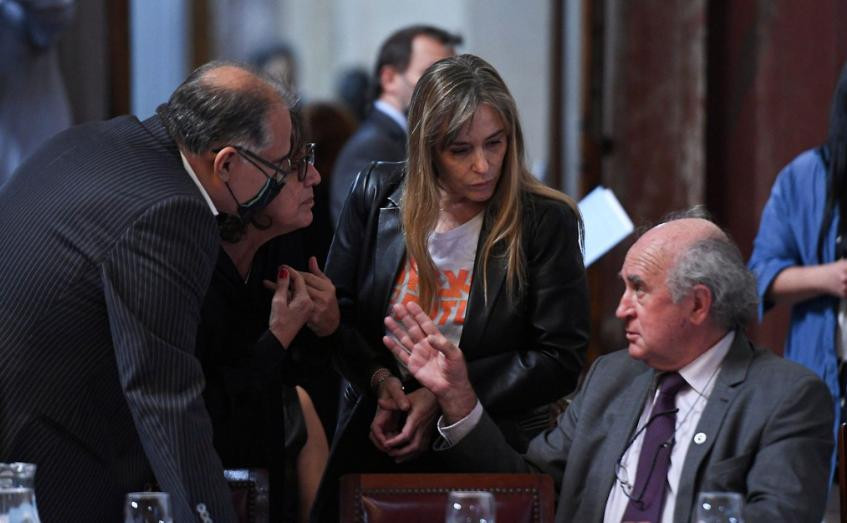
(108, 248)
(379, 138)
(767, 428)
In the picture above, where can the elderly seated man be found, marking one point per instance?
(691, 406)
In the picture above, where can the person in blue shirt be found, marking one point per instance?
(799, 252)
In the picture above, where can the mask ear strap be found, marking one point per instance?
(262, 194)
(228, 188)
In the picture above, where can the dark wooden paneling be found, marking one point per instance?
(200, 38)
(653, 156)
(118, 56)
(557, 88)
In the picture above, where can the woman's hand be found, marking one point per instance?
(432, 359)
(291, 305)
(392, 403)
(325, 315)
(416, 434)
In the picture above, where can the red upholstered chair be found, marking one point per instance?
(249, 494)
(410, 498)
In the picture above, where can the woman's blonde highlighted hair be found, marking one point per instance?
(445, 100)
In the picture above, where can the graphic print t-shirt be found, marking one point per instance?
(453, 253)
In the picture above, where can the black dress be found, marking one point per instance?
(255, 412)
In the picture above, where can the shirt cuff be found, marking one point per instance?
(452, 434)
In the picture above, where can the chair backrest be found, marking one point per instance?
(842, 470)
(250, 493)
(410, 498)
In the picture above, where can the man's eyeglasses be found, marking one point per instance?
(621, 472)
(299, 162)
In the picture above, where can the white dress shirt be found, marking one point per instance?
(700, 375)
(199, 185)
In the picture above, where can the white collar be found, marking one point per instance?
(199, 185)
(393, 113)
(700, 372)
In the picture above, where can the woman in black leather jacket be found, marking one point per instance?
(465, 230)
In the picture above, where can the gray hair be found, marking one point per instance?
(202, 114)
(716, 263)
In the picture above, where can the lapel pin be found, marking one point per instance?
(699, 438)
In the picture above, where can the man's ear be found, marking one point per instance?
(701, 304)
(387, 77)
(223, 163)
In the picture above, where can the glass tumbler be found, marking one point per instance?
(17, 505)
(147, 507)
(720, 507)
(470, 507)
(17, 497)
(17, 475)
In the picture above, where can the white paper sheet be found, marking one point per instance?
(606, 223)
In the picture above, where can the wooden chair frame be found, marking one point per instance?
(359, 490)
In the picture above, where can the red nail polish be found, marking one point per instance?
(283, 273)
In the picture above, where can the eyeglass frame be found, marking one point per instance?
(306, 157)
(619, 464)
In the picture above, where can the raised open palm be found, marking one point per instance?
(432, 359)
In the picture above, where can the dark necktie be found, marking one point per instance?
(648, 494)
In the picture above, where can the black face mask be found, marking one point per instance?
(269, 190)
(231, 226)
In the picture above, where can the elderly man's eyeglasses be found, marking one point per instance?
(299, 162)
(621, 472)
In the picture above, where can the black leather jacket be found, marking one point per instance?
(522, 353)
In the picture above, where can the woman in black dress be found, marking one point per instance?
(252, 318)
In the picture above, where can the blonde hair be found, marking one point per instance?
(445, 99)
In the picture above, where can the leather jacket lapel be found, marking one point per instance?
(390, 250)
(479, 309)
(732, 373)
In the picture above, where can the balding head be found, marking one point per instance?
(668, 240)
(235, 78)
(223, 103)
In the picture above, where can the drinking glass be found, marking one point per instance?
(17, 505)
(719, 507)
(147, 507)
(13, 475)
(17, 497)
(470, 507)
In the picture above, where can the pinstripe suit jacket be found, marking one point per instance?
(107, 250)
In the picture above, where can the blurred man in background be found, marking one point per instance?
(402, 59)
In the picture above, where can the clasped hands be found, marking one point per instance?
(438, 365)
(302, 298)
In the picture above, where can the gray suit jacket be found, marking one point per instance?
(108, 248)
(379, 138)
(768, 427)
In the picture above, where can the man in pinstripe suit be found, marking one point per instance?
(109, 237)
